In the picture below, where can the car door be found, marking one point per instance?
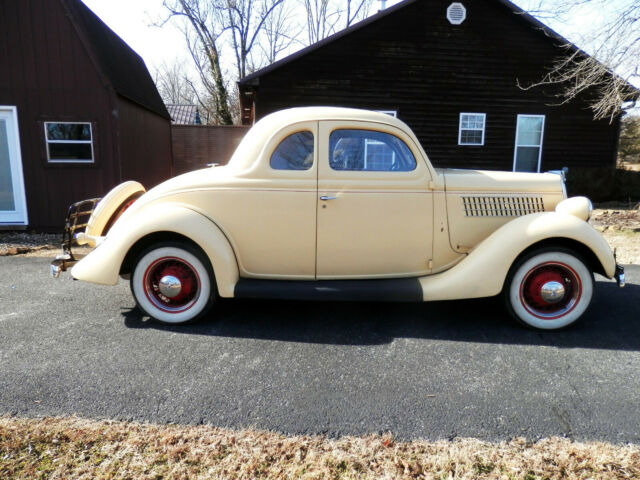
(375, 209)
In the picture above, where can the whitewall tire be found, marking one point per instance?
(173, 283)
(549, 289)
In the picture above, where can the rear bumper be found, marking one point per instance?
(76, 222)
(64, 262)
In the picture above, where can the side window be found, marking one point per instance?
(368, 150)
(294, 152)
(471, 131)
(69, 142)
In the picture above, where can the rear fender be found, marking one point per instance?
(103, 264)
(483, 272)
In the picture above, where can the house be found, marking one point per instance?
(453, 72)
(184, 114)
(79, 112)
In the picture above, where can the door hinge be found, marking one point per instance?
(430, 264)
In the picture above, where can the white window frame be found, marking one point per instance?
(515, 148)
(460, 129)
(47, 142)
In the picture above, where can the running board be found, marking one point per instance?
(385, 290)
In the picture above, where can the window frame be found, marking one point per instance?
(372, 142)
(460, 129)
(274, 149)
(47, 142)
(516, 145)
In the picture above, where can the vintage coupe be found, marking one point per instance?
(335, 203)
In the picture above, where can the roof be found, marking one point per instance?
(262, 130)
(539, 26)
(122, 68)
(184, 114)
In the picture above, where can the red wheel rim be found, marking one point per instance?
(531, 290)
(182, 298)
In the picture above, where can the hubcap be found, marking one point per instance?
(550, 290)
(172, 284)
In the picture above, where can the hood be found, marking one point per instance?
(501, 182)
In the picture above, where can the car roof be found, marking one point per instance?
(259, 134)
(289, 116)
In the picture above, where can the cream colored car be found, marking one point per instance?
(333, 203)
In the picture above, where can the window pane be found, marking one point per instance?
(68, 131)
(6, 185)
(471, 137)
(294, 152)
(70, 151)
(368, 150)
(529, 130)
(527, 159)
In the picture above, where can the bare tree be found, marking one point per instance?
(614, 63)
(322, 16)
(356, 10)
(173, 84)
(245, 19)
(279, 32)
(202, 31)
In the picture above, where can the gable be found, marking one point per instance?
(123, 68)
(429, 17)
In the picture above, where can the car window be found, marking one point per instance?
(368, 150)
(294, 152)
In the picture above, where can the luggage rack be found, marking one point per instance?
(76, 221)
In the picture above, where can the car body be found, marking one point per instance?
(335, 203)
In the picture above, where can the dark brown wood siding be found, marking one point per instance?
(145, 144)
(48, 75)
(415, 62)
(194, 146)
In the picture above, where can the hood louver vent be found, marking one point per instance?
(501, 206)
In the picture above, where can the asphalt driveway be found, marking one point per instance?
(436, 370)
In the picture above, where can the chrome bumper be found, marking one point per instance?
(63, 262)
(76, 222)
(619, 275)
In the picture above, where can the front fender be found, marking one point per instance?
(483, 272)
(103, 264)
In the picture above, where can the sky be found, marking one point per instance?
(133, 21)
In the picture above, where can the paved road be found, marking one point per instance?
(436, 371)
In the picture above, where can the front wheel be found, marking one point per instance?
(549, 289)
(173, 283)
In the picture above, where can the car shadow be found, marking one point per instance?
(612, 322)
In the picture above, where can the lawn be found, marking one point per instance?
(85, 449)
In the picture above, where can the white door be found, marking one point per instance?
(528, 150)
(13, 206)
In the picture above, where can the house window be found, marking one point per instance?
(294, 152)
(472, 128)
(69, 142)
(528, 149)
(368, 150)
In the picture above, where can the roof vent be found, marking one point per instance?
(456, 13)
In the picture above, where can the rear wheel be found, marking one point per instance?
(549, 289)
(173, 282)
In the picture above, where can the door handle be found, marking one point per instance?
(325, 198)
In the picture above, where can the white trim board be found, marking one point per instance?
(19, 215)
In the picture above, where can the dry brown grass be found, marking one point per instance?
(84, 449)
